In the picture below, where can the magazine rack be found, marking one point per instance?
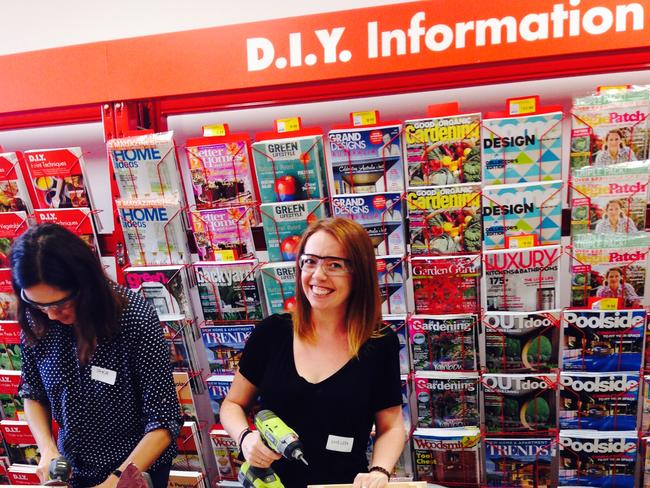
(210, 248)
(209, 191)
(359, 120)
(186, 390)
(509, 473)
(243, 311)
(392, 278)
(189, 451)
(529, 425)
(535, 363)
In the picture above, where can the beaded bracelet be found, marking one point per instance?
(380, 469)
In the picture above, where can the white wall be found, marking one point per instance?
(29, 25)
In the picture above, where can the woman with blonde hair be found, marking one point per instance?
(330, 372)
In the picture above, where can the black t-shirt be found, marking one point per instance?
(342, 405)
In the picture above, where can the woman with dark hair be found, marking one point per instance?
(330, 372)
(614, 150)
(94, 360)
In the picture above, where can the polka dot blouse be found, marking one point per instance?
(100, 423)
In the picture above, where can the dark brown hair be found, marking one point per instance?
(363, 313)
(52, 255)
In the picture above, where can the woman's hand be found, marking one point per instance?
(256, 452)
(374, 479)
(43, 468)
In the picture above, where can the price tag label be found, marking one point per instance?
(225, 255)
(214, 130)
(613, 88)
(291, 124)
(364, 118)
(522, 241)
(608, 304)
(521, 106)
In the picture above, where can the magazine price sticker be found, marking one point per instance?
(364, 118)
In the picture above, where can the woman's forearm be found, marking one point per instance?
(388, 447)
(149, 449)
(233, 418)
(39, 420)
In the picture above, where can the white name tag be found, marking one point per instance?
(102, 374)
(339, 444)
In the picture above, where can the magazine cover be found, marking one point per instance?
(145, 166)
(610, 199)
(20, 443)
(185, 396)
(10, 354)
(153, 231)
(14, 196)
(166, 288)
(229, 291)
(522, 209)
(290, 169)
(189, 456)
(524, 403)
(607, 132)
(447, 456)
(12, 404)
(185, 479)
(446, 399)
(522, 280)
(444, 285)
(12, 225)
(599, 401)
(392, 273)
(602, 341)
(645, 415)
(443, 150)
(220, 172)
(21, 473)
(380, 214)
(226, 453)
(520, 149)
(523, 462)
(445, 219)
(57, 176)
(8, 301)
(218, 388)
(178, 334)
(285, 222)
(617, 273)
(224, 234)
(279, 280)
(367, 159)
(443, 342)
(398, 324)
(521, 342)
(76, 220)
(224, 345)
(598, 458)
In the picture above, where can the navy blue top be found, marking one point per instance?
(100, 423)
(340, 406)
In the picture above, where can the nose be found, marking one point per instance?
(53, 314)
(319, 271)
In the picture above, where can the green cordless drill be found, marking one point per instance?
(277, 436)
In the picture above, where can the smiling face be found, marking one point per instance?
(613, 279)
(43, 294)
(613, 141)
(613, 211)
(324, 292)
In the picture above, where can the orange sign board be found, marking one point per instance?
(425, 35)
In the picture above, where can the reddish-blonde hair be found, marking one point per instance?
(363, 313)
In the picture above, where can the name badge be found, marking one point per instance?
(339, 444)
(102, 374)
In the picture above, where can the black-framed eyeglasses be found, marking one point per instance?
(56, 306)
(331, 265)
